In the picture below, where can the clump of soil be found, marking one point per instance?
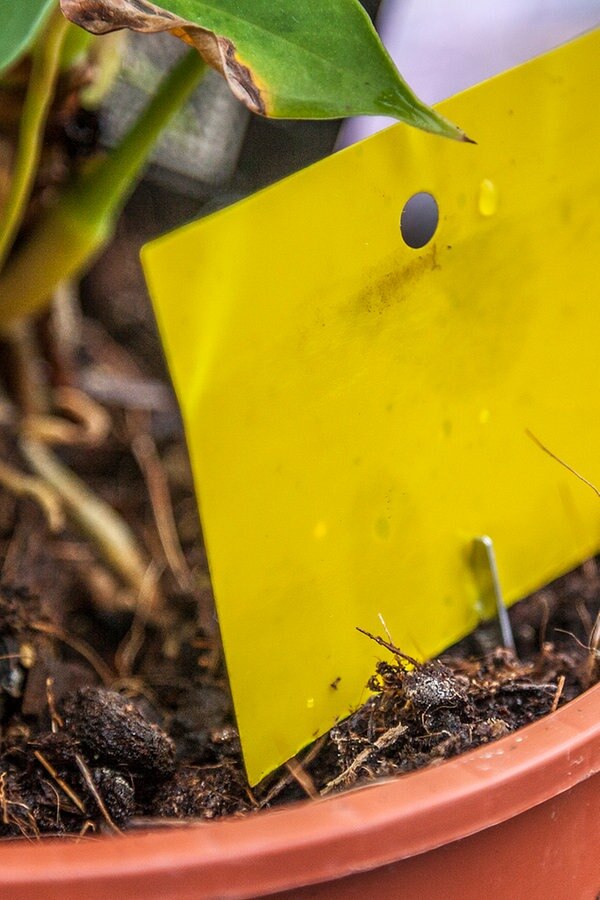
(420, 714)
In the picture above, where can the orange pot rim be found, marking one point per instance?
(317, 841)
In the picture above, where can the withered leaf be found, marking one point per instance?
(290, 58)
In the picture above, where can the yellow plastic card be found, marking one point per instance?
(357, 409)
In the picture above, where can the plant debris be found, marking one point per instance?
(420, 714)
(76, 755)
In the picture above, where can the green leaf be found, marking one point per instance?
(301, 59)
(21, 21)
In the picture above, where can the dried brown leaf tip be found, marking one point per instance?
(217, 50)
(102, 16)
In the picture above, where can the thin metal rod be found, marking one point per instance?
(508, 638)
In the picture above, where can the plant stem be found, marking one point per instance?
(45, 66)
(103, 190)
(27, 370)
(22, 485)
(81, 222)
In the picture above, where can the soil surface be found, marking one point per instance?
(116, 714)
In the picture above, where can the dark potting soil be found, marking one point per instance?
(83, 750)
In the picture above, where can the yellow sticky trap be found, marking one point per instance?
(356, 410)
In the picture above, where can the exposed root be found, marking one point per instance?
(89, 782)
(3, 799)
(301, 777)
(65, 788)
(151, 466)
(133, 642)
(63, 337)
(595, 636)
(146, 454)
(106, 590)
(46, 497)
(16, 813)
(88, 825)
(27, 369)
(88, 424)
(292, 773)
(558, 694)
(55, 486)
(56, 719)
(592, 668)
(96, 519)
(104, 672)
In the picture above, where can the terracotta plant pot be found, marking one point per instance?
(518, 818)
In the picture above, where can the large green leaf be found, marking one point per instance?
(287, 58)
(20, 21)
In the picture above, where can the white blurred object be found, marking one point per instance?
(442, 47)
(199, 149)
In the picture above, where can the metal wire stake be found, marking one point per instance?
(487, 545)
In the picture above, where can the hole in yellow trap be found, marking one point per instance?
(419, 219)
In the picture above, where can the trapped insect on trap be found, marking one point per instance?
(357, 397)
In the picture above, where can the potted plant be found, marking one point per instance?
(64, 234)
(463, 828)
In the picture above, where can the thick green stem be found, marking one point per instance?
(76, 228)
(103, 190)
(45, 66)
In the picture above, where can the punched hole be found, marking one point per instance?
(419, 219)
